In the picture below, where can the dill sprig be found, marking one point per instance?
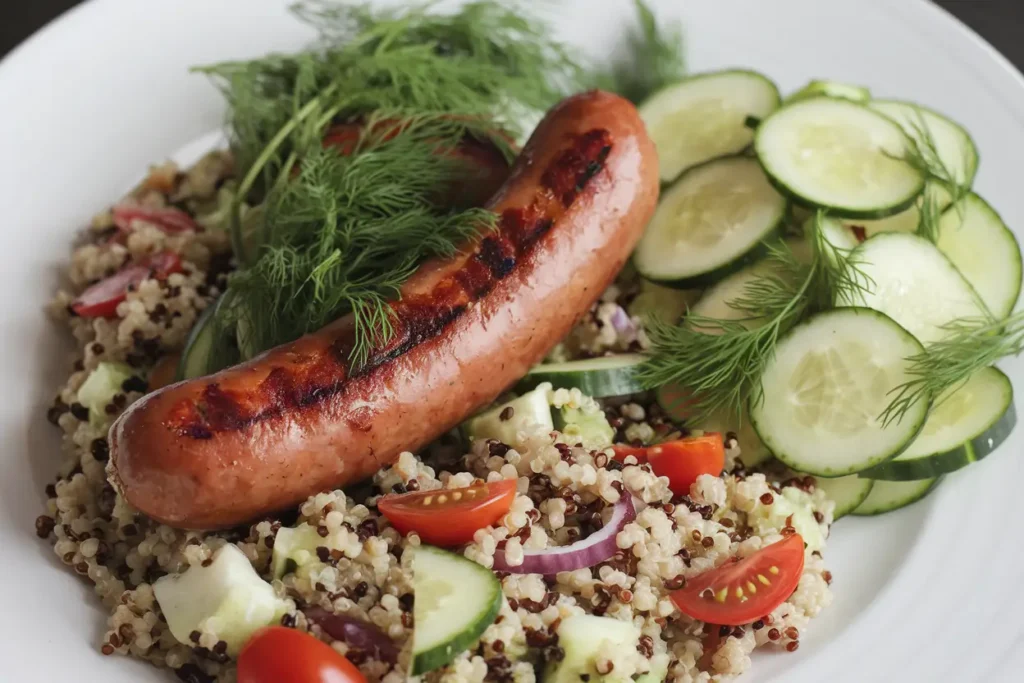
(924, 155)
(346, 233)
(340, 234)
(720, 362)
(969, 345)
(655, 57)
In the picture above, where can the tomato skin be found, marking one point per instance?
(283, 655)
(450, 522)
(683, 461)
(169, 220)
(101, 299)
(723, 596)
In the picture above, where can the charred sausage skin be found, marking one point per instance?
(253, 439)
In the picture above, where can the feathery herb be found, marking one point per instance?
(318, 234)
(970, 345)
(655, 57)
(924, 155)
(340, 233)
(720, 362)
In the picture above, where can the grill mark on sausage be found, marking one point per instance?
(493, 254)
(420, 322)
(415, 320)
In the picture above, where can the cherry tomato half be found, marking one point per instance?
(742, 591)
(284, 655)
(101, 299)
(684, 460)
(449, 517)
(168, 219)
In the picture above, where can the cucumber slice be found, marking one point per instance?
(904, 221)
(963, 427)
(716, 301)
(456, 600)
(843, 91)
(975, 239)
(846, 492)
(506, 422)
(913, 283)
(597, 377)
(702, 118)
(664, 303)
(203, 346)
(826, 387)
(710, 223)
(839, 240)
(715, 304)
(839, 155)
(954, 146)
(887, 496)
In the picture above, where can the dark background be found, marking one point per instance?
(1001, 22)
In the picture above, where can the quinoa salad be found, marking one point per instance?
(360, 566)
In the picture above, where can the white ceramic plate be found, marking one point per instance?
(932, 593)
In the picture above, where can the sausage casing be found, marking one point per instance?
(256, 438)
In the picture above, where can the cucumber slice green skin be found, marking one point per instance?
(199, 347)
(737, 94)
(596, 377)
(467, 581)
(911, 281)
(846, 492)
(839, 447)
(772, 145)
(977, 446)
(954, 143)
(975, 239)
(843, 91)
(887, 496)
(664, 303)
(657, 256)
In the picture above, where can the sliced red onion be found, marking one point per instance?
(355, 632)
(621, 321)
(594, 549)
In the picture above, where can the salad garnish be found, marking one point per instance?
(318, 234)
(971, 344)
(721, 361)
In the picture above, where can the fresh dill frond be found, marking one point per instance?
(720, 362)
(655, 57)
(348, 231)
(835, 272)
(339, 233)
(943, 186)
(969, 345)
